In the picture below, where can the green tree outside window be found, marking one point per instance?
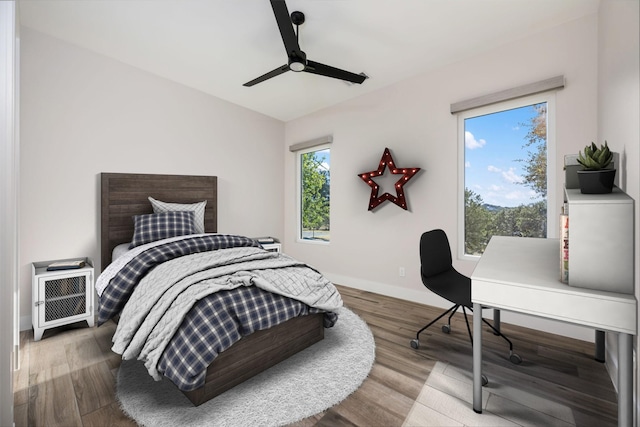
(315, 195)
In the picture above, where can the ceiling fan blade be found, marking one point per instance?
(267, 76)
(286, 27)
(336, 73)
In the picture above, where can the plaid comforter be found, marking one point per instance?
(215, 302)
(117, 293)
(237, 313)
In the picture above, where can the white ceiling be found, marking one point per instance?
(217, 45)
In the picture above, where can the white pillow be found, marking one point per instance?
(119, 250)
(196, 208)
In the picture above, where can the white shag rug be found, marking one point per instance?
(307, 383)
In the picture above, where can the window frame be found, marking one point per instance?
(552, 193)
(299, 154)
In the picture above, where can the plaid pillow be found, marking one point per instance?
(152, 227)
(197, 208)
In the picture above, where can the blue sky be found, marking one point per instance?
(325, 156)
(493, 143)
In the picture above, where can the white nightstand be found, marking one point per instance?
(272, 247)
(61, 297)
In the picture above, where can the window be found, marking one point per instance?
(507, 169)
(314, 194)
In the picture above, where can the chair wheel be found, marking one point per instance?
(415, 344)
(446, 329)
(485, 380)
(515, 359)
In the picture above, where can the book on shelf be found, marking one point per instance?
(66, 265)
(564, 247)
(80, 307)
(67, 286)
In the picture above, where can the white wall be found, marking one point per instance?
(83, 114)
(412, 118)
(618, 115)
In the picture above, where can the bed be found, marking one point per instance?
(125, 196)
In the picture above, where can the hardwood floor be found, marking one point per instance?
(68, 378)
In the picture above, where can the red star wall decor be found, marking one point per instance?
(407, 174)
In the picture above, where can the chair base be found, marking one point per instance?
(513, 357)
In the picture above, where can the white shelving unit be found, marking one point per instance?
(601, 240)
(61, 297)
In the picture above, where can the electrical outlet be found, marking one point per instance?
(401, 271)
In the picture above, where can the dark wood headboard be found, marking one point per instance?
(126, 194)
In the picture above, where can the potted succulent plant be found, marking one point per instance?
(596, 177)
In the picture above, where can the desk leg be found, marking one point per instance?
(477, 358)
(625, 380)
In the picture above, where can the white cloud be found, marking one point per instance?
(471, 142)
(512, 177)
(467, 164)
(509, 196)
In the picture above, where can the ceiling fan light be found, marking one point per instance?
(296, 66)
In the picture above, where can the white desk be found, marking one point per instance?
(523, 275)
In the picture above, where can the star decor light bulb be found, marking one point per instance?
(399, 199)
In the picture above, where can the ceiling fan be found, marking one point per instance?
(297, 58)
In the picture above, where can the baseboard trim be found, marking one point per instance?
(25, 323)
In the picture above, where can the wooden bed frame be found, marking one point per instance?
(124, 195)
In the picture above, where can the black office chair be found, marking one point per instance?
(439, 276)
